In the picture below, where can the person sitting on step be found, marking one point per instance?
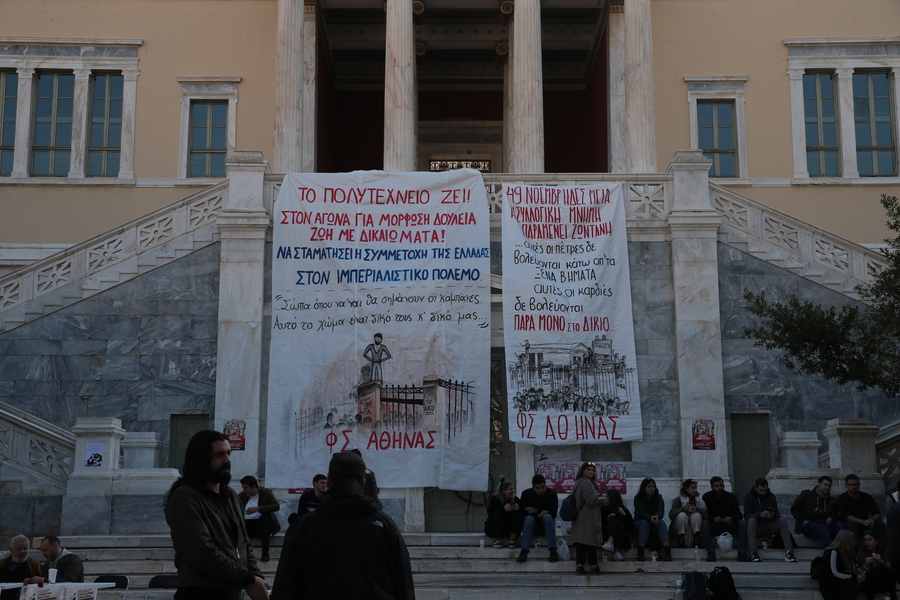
(505, 515)
(874, 566)
(763, 518)
(690, 521)
(618, 525)
(649, 508)
(539, 504)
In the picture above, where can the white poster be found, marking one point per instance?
(381, 328)
(571, 370)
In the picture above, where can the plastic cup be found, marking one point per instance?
(481, 542)
(51, 575)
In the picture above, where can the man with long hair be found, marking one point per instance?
(206, 521)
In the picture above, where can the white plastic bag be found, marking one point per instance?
(562, 549)
(725, 542)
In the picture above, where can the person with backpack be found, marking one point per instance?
(838, 575)
(649, 509)
(587, 528)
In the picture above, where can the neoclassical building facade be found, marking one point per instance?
(142, 145)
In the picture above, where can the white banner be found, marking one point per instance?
(571, 369)
(381, 328)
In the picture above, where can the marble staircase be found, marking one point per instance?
(793, 245)
(452, 566)
(111, 258)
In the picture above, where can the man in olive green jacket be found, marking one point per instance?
(206, 521)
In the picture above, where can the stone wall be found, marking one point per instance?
(141, 352)
(755, 380)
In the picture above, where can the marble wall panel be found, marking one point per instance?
(21, 367)
(395, 509)
(137, 515)
(65, 325)
(82, 347)
(755, 379)
(115, 327)
(29, 347)
(30, 515)
(88, 515)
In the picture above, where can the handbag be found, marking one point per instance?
(568, 510)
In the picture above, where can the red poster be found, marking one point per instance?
(235, 431)
(703, 434)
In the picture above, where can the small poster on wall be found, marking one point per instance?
(235, 431)
(703, 434)
(560, 476)
(93, 455)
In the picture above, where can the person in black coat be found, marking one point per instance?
(618, 525)
(348, 548)
(505, 515)
(539, 505)
(724, 513)
(839, 577)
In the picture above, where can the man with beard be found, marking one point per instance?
(814, 513)
(17, 567)
(206, 520)
(68, 566)
(725, 515)
(347, 548)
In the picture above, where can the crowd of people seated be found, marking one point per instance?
(857, 558)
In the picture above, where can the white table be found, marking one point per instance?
(54, 591)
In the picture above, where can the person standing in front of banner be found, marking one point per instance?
(587, 528)
(505, 516)
(649, 508)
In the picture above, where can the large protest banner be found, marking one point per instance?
(571, 369)
(381, 328)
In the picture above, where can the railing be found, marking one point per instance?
(111, 248)
(35, 447)
(797, 237)
(887, 453)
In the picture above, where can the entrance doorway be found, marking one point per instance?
(450, 511)
(749, 449)
(183, 428)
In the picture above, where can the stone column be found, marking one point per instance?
(798, 125)
(79, 123)
(640, 111)
(617, 103)
(847, 135)
(309, 137)
(242, 230)
(22, 151)
(693, 226)
(509, 131)
(851, 449)
(799, 460)
(289, 72)
(851, 445)
(401, 112)
(87, 505)
(527, 154)
(129, 98)
(141, 449)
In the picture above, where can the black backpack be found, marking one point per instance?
(695, 586)
(568, 511)
(721, 585)
(817, 567)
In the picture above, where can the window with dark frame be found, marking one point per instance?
(822, 152)
(52, 134)
(208, 138)
(9, 92)
(873, 116)
(105, 141)
(715, 136)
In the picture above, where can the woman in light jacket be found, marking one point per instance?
(587, 529)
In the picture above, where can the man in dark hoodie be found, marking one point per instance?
(347, 548)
